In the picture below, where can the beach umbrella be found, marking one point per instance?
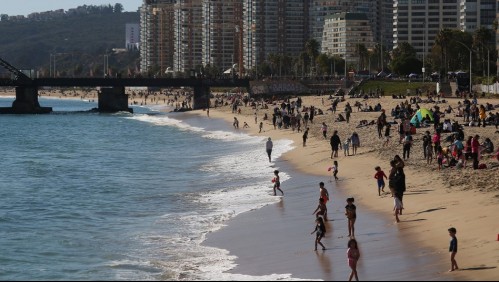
(420, 114)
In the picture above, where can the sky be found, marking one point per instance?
(25, 7)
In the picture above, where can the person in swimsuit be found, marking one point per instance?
(324, 194)
(277, 182)
(353, 256)
(351, 213)
(453, 249)
(320, 231)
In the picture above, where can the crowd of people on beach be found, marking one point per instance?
(443, 141)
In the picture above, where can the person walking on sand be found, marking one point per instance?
(355, 142)
(320, 231)
(335, 144)
(453, 249)
(407, 145)
(261, 127)
(324, 130)
(269, 145)
(305, 137)
(399, 179)
(380, 177)
(351, 214)
(387, 134)
(346, 147)
(353, 256)
(277, 182)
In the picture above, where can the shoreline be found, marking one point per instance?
(430, 206)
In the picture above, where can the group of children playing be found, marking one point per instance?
(321, 217)
(320, 212)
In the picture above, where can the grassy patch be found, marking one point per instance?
(397, 87)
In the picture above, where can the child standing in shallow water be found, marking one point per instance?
(334, 170)
(351, 213)
(277, 182)
(353, 255)
(320, 231)
(397, 206)
(321, 210)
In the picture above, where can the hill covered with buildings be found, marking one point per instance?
(77, 42)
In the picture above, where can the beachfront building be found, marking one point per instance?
(344, 34)
(379, 13)
(188, 36)
(278, 27)
(132, 36)
(419, 22)
(222, 33)
(156, 35)
(476, 14)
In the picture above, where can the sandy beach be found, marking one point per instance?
(276, 239)
(435, 200)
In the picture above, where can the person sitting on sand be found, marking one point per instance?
(340, 118)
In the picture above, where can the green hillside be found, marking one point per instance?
(83, 40)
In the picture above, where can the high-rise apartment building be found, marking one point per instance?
(383, 33)
(476, 14)
(188, 35)
(419, 21)
(132, 38)
(379, 14)
(222, 33)
(344, 32)
(156, 35)
(273, 27)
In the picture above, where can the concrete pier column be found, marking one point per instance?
(26, 102)
(113, 99)
(201, 97)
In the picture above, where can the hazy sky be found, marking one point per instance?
(25, 7)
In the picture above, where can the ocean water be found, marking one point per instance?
(88, 196)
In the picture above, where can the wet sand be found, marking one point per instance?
(276, 239)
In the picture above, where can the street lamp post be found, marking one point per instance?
(488, 70)
(470, 59)
(424, 49)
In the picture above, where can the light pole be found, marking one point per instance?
(106, 65)
(424, 48)
(470, 59)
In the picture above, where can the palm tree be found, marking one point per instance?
(312, 50)
(442, 40)
(482, 38)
